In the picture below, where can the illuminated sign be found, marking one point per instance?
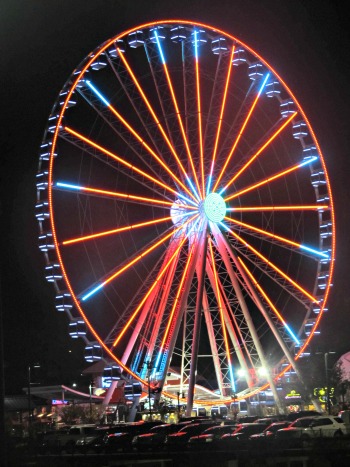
(321, 394)
(59, 402)
(293, 395)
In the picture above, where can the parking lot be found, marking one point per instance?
(307, 441)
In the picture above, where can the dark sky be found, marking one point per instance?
(42, 41)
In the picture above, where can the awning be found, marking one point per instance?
(61, 392)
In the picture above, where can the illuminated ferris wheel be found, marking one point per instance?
(185, 212)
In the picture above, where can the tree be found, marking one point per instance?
(341, 384)
(76, 413)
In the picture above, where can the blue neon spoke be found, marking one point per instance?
(308, 161)
(316, 252)
(159, 47)
(93, 291)
(192, 187)
(70, 186)
(97, 92)
(263, 84)
(210, 178)
(195, 45)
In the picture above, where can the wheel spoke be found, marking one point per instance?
(260, 150)
(122, 161)
(270, 179)
(139, 138)
(272, 265)
(133, 261)
(115, 231)
(228, 158)
(277, 313)
(279, 238)
(218, 132)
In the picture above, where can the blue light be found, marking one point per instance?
(195, 45)
(157, 361)
(221, 192)
(186, 199)
(68, 185)
(92, 292)
(292, 334)
(159, 47)
(192, 187)
(316, 252)
(263, 84)
(308, 161)
(210, 177)
(232, 379)
(98, 94)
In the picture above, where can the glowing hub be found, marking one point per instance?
(214, 207)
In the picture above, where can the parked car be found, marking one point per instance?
(120, 438)
(292, 416)
(268, 420)
(240, 437)
(93, 442)
(65, 440)
(290, 436)
(325, 427)
(210, 437)
(270, 431)
(155, 438)
(176, 441)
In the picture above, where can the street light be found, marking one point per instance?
(30, 414)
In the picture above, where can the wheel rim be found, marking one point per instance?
(159, 139)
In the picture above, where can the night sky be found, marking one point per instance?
(42, 41)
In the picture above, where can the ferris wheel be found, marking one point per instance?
(185, 212)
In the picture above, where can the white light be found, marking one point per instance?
(214, 207)
(262, 371)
